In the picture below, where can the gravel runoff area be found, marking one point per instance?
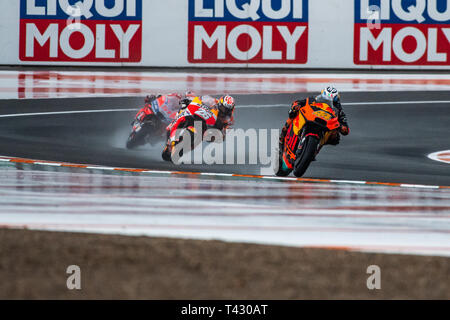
(33, 266)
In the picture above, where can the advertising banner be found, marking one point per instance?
(309, 34)
(396, 32)
(80, 31)
(254, 31)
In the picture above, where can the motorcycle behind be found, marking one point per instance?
(151, 121)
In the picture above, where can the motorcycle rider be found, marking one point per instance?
(222, 108)
(172, 105)
(225, 116)
(221, 111)
(329, 95)
(189, 96)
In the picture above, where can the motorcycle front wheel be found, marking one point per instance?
(177, 152)
(305, 155)
(135, 140)
(138, 138)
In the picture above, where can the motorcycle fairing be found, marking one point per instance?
(206, 114)
(291, 141)
(162, 105)
(319, 113)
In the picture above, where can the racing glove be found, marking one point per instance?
(344, 130)
(295, 107)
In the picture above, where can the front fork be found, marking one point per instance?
(323, 137)
(192, 126)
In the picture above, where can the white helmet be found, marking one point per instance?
(330, 93)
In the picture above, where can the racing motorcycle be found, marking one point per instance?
(151, 121)
(192, 123)
(305, 137)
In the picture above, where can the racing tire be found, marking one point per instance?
(305, 155)
(174, 156)
(137, 139)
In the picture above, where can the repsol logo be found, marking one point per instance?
(248, 31)
(75, 30)
(402, 32)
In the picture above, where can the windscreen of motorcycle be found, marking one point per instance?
(209, 101)
(322, 99)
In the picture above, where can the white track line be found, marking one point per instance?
(48, 164)
(418, 186)
(394, 102)
(100, 168)
(62, 112)
(214, 174)
(435, 156)
(353, 103)
(241, 106)
(349, 181)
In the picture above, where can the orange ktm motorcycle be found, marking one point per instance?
(306, 135)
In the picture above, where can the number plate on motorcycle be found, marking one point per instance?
(137, 127)
(323, 115)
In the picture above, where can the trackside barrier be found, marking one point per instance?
(351, 34)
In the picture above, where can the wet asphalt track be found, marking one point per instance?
(388, 143)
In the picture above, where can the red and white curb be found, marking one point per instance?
(441, 156)
(209, 174)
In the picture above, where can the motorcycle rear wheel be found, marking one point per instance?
(305, 155)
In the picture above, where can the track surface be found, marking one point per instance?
(387, 143)
(238, 209)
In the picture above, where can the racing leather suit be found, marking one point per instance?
(171, 103)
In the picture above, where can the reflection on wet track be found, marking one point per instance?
(58, 84)
(367, 218)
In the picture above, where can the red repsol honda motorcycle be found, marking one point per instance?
(184, 126)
